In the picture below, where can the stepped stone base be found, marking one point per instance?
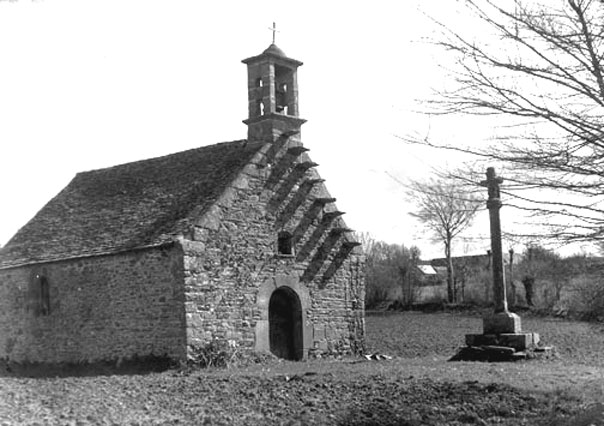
(489, 353)
(502, 340)
(516, 341)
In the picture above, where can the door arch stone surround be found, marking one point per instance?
(292, 282)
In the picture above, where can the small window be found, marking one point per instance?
(285, 244)
(259, 82)
(260, 108)
(42, 293)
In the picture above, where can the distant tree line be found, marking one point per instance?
(572, 285)
(538, 279)
(389, 270)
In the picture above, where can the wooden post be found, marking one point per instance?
(512, 285)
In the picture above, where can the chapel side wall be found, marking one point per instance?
(233, 252)
(102, 308)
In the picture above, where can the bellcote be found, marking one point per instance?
(272, 94)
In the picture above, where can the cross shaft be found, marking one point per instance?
(494, 204)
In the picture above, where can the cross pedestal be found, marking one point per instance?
(502, 338)
(501, 322)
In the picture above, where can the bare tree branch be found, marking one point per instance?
(541, 72)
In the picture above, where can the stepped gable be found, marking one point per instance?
(133, 205)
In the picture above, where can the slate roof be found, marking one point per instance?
(134, 205)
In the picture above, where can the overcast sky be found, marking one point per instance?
(86, 85)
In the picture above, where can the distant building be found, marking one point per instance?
(238, 243)
(471, 275)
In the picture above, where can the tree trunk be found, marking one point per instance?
(528, 283)
(463, 290)
(450, 276)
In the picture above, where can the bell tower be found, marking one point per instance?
(272, 95)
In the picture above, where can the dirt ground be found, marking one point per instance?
(416, 387)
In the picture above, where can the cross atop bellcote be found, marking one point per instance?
(274, 30)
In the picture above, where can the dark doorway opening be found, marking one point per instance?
(285, 324)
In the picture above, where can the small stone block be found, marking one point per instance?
(516, 356)
(501, 322)
(543, 352)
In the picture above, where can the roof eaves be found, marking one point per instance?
(86, 255)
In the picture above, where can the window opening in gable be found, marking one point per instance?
(285, 244)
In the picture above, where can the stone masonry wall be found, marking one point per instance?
(232, 251)
(101, 308)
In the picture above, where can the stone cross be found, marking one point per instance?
(494, 204)
(274, 30)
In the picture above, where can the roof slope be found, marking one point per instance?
(128, 206)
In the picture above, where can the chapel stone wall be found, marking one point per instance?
(100, 308)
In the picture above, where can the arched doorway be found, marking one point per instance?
(285, 324)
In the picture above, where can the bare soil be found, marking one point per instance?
(416, 387)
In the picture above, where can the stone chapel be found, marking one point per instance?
(238, 242)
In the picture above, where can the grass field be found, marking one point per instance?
(417, 387)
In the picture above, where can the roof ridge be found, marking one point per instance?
(165, 156)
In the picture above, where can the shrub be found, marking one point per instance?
(223, 354)
(588, 299)
(217, 353)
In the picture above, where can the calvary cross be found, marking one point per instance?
(494, 204)
(492, 183)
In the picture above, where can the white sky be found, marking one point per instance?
(86, 85)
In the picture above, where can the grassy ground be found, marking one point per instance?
(417, 387)
(416, 334)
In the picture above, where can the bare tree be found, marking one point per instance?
(446, 209)
(540, 71)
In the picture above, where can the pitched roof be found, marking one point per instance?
(427, 269)
(145, 203)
